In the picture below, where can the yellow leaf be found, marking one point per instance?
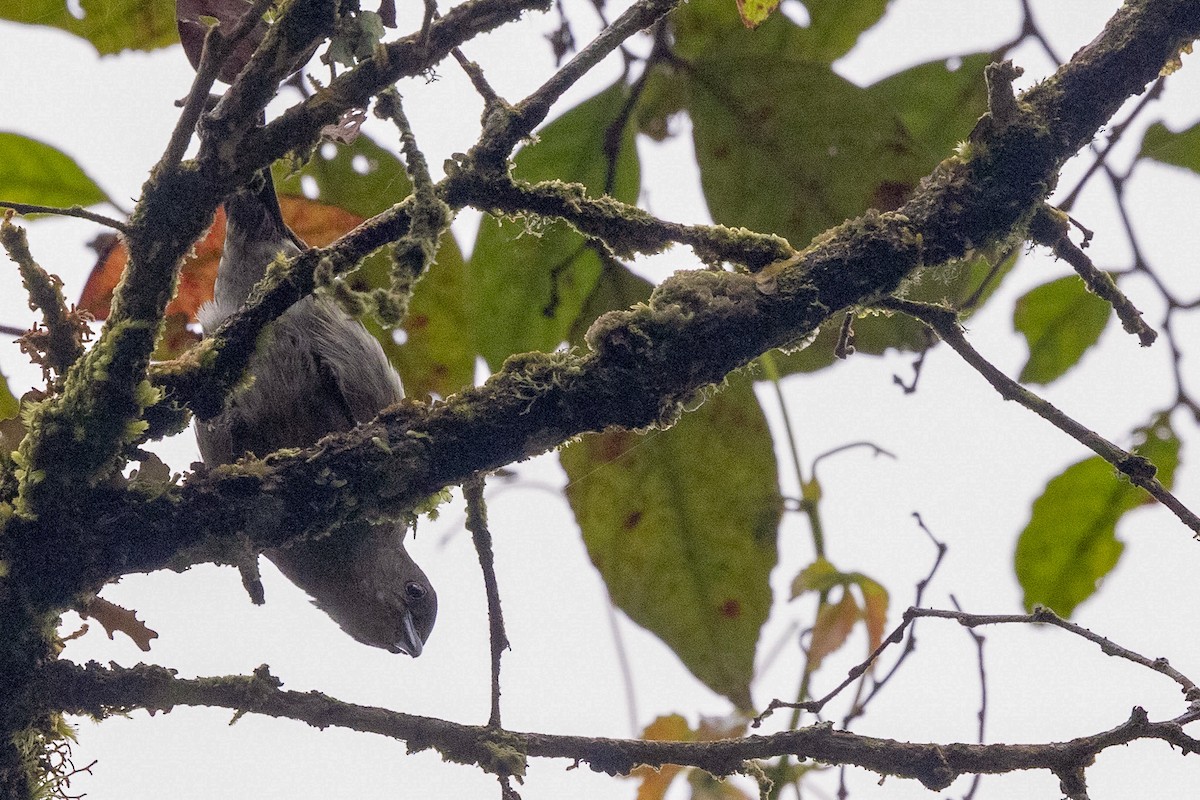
(875, 606)
(672, 728)
(755, 12)
(834, 623)
(819, 576)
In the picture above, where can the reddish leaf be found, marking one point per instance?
(316, 223)
(193, 18)
(195, 281)
(192, 30)
(875, 606)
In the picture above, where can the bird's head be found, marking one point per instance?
(390, 604)
(368, 584)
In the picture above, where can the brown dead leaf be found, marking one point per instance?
(115, 618)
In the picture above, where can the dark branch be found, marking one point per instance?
(100, 691)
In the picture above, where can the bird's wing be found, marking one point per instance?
(365, 378)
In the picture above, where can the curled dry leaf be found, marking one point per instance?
(115, 618)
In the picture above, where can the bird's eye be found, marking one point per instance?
(414, 591)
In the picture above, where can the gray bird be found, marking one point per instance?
(316, 371)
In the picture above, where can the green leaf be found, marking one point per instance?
(34, 172)
(1060, 321)
(791, 148)
(937, 106)
(787, 146)
(110, 25)
(662, 98)
(755, 12)
(617, 288)
(528, 280)
(682, 526)
(822, 150)
(362, 178)
(437, 356)
(819, 576)
(1180, 149)
(9, 405)
(1070, 543)
(834, 27)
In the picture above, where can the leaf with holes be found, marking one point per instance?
(112, 26)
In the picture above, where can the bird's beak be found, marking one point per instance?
(410, 641)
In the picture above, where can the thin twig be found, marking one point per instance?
(431, 13)
(1044, 615)
(391, 106)
(417, 249)
(614, 625)
(876, 450)
(626, 229)
(1138, 469)
(477, 525)
(217, 48)
(475, 75)
(979, 640)
(1190, 691)
(71, 211)
(1141, 265)
(1102, 285)
(531, 112)
(910, 644)
(60, 345)
(1050, 228)
(1114, 137)
(815, 706)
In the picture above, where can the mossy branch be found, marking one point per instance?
(627, 230)
(101, 691)
(644, 363)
